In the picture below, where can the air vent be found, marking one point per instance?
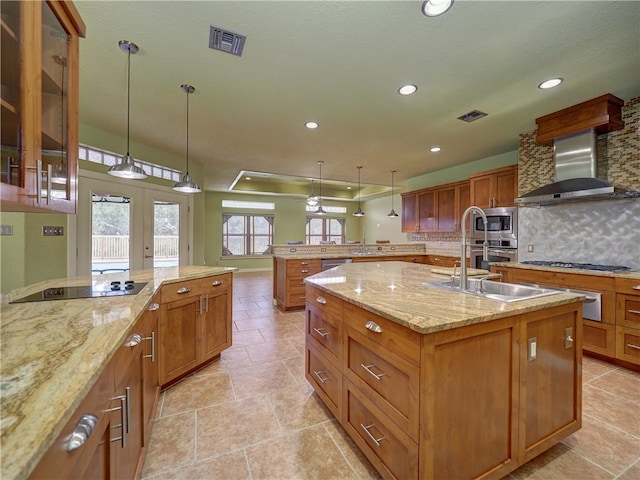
(226, 41)
(472, 116)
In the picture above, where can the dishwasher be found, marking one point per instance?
(327, 263)
(591, 305)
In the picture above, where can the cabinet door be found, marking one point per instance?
(464, 202)
(481, 191)
(216, 318)
(409, 213)
(150, 380)
(506, 188)
(427, 211)
(178, 335)
(446, 220)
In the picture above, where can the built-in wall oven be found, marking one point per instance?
(502, 235)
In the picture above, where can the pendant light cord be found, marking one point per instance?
(188, 132)
(128, 94)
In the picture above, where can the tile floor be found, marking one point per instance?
(252, 414)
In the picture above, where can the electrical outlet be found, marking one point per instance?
(322, 250)
(6, 229)
(529, 248)
(49, 231)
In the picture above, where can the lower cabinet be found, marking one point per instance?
(628, 320)
(472, 402)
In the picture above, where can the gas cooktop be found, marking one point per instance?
(579, 266)
(97, 290)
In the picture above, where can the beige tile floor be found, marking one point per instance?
(252, 415)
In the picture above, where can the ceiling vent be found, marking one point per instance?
(472, 116)
(226, 41)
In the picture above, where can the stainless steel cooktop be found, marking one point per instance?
(96, 290)
(579, 266)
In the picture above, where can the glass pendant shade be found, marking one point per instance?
(126, 168)
(320, 210)
(312, 200)
(392, 213)
(187, 185)
(358, 212)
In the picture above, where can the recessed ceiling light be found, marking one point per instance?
(311, 125)
(435, 149)
(552, 82)
(407, 89)
(247, 178)
(434, 8)
(349, 187)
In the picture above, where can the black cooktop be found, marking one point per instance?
(97, 290)
(579, 266)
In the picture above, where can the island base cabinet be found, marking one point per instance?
(325, 378)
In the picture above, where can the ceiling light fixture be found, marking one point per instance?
(358, 212)
(392, 213)
(311, 125)
(312, 200)
(435, 8)
(407, 89)
(435, 149)
(187, 185)
(320, 210)
(552, 82)
(126, 168)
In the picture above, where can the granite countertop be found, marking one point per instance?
(54, 351)
(396, 291)
(526, 266)
(307, 256)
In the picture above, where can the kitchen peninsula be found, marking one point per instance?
(57, 355)
(432, 383)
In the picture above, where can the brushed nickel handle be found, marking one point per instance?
(321, 300)
(568, 338)
(635, 347)
(123, 422)
(182, 290)
(153, 347)
(375, 440)
(304, 263)
(304, 270)
(200, 305)
(368, 369)
(373, 326)
(635, 287)
(133, 340)
(82, 432)
(49, 187)
(634, 311)
(206, 303)
(317, 374)
(217, 283)
(154, 306)
(320, 332)
(38, 181)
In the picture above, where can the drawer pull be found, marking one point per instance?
(153, 307)
(375, 440)
(320, 332)
(373, 326)
(217, 283)
(133, 340)
(368, 369)
(152, 356)
(182, 290)
(304, 263)
(635, 347)
(321, 300)
(637, 312)
(317, 374)
(304, 270)
(635, 287)
(82, 432)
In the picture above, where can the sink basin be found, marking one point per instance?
(503, 292)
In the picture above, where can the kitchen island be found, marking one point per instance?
(432, 383)
(55, 352)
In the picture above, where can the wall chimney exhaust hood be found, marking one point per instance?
(574, 149)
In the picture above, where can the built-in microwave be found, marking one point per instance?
(502, 223)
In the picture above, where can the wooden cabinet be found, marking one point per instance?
(628, 320)
(437, 209)
(194, 325)
(495, 188)
(409, 215)
(288, 280)
(443, 260)
(39, 102)
(150, 379)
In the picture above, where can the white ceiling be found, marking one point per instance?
(341, 63)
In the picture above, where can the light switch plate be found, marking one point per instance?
(49, 231)
(6, 229)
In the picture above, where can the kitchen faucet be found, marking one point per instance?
(485, 245)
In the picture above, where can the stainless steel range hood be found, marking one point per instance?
(575, 172)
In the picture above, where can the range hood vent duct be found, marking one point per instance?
(575, 174)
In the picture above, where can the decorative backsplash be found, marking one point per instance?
(349, 248)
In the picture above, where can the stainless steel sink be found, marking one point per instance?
(503, 292)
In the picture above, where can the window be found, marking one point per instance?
(244, 204)
(327, 208)
(325, 230)
(246, 234)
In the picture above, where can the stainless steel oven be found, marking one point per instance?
(497, 253)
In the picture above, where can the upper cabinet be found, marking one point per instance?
(39, 97)
(436, 209)
(495, 188)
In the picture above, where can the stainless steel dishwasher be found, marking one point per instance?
(327, 263)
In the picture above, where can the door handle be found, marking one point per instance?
(148, 256)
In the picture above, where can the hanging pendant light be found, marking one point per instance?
(187, 185)
(392, 213)
(126, 168)
(358, 212)
(312, 200)
(320, 210)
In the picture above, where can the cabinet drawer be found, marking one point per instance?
(391, 451)
(628, 344)
(628, 310)
(629, 286)
(391, 382)
(324, 302)
(303, 267)
(395, 337)
(296, 299)
(325, 378)
(598, 337)
(327, 331)
(296, 285)
(178, 290)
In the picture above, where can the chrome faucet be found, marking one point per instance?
(485, 245)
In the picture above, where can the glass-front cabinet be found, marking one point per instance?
(40, 65)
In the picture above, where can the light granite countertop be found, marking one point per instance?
(54, 351)
(397, 291)
(374, 254)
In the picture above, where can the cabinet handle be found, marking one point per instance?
(368, 369)
(153, 307)
(217, 283)
(373, 326)
(49, 188)
(82, 432)
(634, 311)
(321, 300)
(182, 290)
(635, 287)
(38, 181)
(123, 419)
(635, 347)
(133, 340)
(375, 440)
(304, 270)
(320, 332)
(568, 338)
(317, 374)
(304, 263)
(153, 347)
(206, 303)
(200, 305)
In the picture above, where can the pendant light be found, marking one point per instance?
(312, 200)
(392, 213)
(320, 210)
(358, 212)
(126, 168)
(187, 185)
